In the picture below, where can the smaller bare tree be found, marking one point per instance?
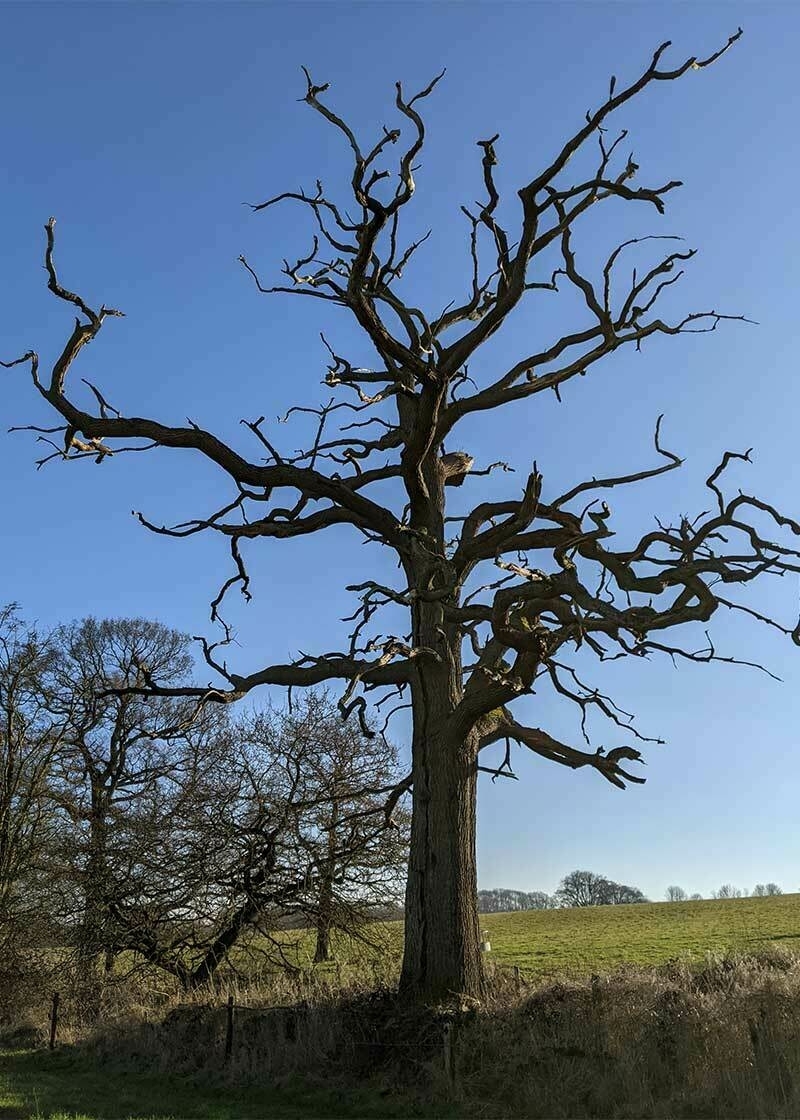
(29, 737)
(727, 890)
(676, 894)
(584, 888)
(765, 890)
(289, 817)
(347, 773)
(115, 746)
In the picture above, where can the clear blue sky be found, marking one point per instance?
(144, 127)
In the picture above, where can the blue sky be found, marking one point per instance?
(144, 127)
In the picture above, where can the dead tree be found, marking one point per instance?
(559, 579)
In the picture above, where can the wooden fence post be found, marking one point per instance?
(229, 1030)
(449, 1063)
(54, 1019)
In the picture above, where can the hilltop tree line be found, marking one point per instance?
(585, 888)
(174, 831)
(727, 890)
(579, 888)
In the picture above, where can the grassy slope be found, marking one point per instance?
(600, 938)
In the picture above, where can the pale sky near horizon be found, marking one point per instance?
(143, 128)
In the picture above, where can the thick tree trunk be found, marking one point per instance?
(441, 957)
(442, 950)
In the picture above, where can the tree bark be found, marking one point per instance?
(322, 951)
(93, 934)
(325, 910)
(442, 949)
(441, 958)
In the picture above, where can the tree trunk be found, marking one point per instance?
(323, 947)
(93, 933)
(441, 958)
(325, 900)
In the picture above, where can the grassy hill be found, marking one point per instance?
(583, 940)
(598, 938)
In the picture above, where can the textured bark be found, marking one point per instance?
(442, 955)
(322, 951)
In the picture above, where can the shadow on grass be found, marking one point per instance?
(63, 1084)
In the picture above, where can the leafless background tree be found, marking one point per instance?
(384, 456)
(116, 746)
(585, 888)
(285, 821)
(727, 890)
(765, 890)
(30, 736)
(676, 894)
(504, 901)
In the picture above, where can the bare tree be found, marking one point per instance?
(727, 890)
(503, 901)
(765, 890)
(585, 888)
(556, 580)
(284, 821)
(676, 894)
(619, 894)
(357, 869)
(29, 738)
(115, 746)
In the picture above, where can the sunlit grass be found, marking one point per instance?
(597, 938)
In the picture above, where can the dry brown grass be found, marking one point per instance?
(717, 1040)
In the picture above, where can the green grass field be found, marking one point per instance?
(599, 938)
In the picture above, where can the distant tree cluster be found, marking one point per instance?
(727, 890)
(585, 888)
(505, 901)
(579, 888)
(171, 829)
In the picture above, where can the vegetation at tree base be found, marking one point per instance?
(564, 582)
(633, 1042)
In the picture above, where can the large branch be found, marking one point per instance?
(607, 763)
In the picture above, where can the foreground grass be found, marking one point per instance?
(68, 1085)
(706, 1042)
